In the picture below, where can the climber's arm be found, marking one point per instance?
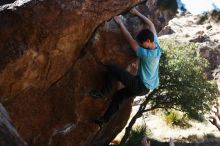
(134, 45)
(145, 19)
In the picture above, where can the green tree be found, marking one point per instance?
(183, 84)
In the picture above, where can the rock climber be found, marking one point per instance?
(147, 48)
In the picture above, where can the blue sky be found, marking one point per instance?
(200, 6)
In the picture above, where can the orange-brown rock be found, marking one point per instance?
(48, 64)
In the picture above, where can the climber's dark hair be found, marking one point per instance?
(144, 35)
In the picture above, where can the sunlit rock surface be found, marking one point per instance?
(48, 64)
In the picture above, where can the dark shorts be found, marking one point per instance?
(133, 86)
(132, 83)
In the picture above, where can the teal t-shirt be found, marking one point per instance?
(149, 65)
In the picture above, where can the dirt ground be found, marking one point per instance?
(198, 131)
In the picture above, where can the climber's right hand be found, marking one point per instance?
(118, 20)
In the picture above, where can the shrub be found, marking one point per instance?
(137, 134)
(176, 118)
(183, 83)
(203, 18)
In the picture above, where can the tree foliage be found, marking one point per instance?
(183, 84)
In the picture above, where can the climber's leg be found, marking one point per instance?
(133, 83)
(120, 74)
(114, 105)
(106, 89)
(116, 101)
(113, 72)
(119, 96)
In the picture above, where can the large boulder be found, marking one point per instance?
(49, 54)
(8, 133)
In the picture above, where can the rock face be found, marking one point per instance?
(48, 64)
(8, 134)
